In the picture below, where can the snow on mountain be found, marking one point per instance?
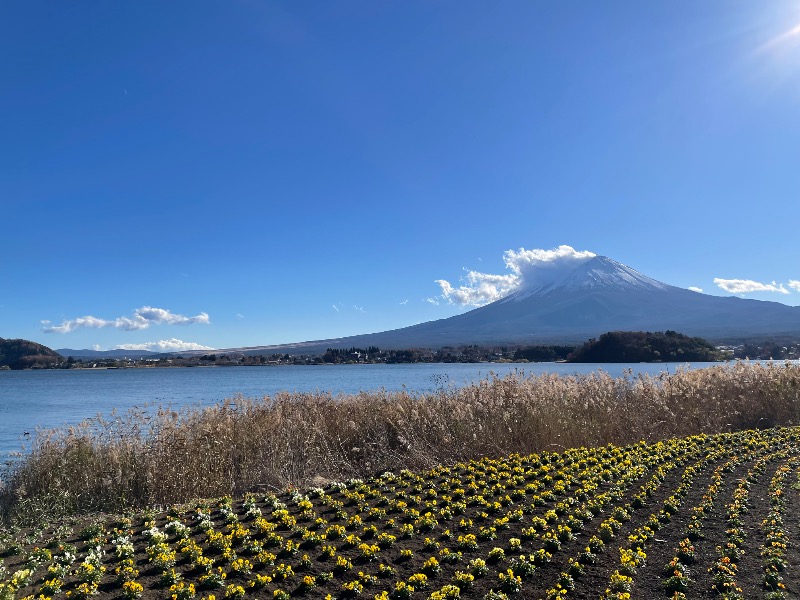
(597, 272)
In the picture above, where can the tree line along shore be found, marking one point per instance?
(617, 346)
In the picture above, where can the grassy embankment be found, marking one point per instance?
(302, 439)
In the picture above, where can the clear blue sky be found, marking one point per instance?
(269, 172)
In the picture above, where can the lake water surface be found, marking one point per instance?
(51, 398)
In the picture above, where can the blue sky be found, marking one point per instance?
(247, 173)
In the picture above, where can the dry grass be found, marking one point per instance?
(298, 439)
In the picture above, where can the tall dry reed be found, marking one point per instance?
(298, 439)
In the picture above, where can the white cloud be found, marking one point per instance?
(336, 308)
(170, 345)
(74, 324)
(695, 289)
(142, 318)
(359, 308)
(529, 269)
(794, 284)
(540, 267)
(404, 301)
(239, 316)
(744, 286)
(480, 288)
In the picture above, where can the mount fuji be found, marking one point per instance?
(582, 301)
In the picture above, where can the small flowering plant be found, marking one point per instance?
(131, 590)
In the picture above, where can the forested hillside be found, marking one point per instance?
(640, 346)
(23, 354)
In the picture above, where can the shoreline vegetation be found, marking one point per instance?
(296, 440)
(610, 347)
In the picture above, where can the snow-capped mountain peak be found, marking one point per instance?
(599, 272)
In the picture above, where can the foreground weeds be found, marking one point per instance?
(257, 445)
(613, 522)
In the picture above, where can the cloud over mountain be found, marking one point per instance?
(142, 318)
(479, 288)
(744, 286)
(170, 345)
(529, 269)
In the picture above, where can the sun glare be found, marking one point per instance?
(793, 32)
(792, 36)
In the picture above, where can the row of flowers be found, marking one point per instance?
(607, 530)
(724, 571)
(677, 570)
(773, 550)
(633, 555)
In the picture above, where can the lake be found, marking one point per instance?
(51, 398)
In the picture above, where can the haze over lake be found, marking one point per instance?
(51, 398)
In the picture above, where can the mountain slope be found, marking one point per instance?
(596, 296)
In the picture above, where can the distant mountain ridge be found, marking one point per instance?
(585, 301)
